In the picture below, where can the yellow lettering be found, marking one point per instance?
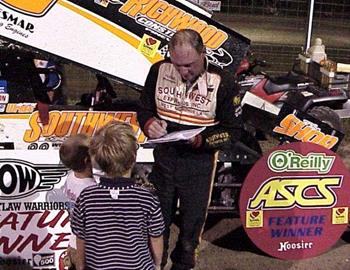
(208, 33)
(327, 196)
(70, 123)
(216, 40)
(90, 123)
(49, 129)
(199, 27)
(157, 10)
(287, 193)
(267, 195)
(285, 124)
(313, 136)
(33, 134)
(104, 119)
(182, 21)
(11, 108)
(329, 141)
(148, 6)
(133, 7)
(79, 116)
(64, 124)
(294, 127)
(168, 15)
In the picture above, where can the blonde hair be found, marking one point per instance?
(113, 148)
(74, 152)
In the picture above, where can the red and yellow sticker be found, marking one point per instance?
(149, 46)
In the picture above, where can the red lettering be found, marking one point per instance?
(52, 223)
(29, 218)
(62, 237)
(66, 220)
(11, 219)
(4, 241)
(34, 239)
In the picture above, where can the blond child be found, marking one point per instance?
(118, 223)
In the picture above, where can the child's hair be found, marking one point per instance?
(113, 148)
(74, 152)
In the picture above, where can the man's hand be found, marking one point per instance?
(157, 129)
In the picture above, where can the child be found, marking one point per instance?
(118, 224)
(74, 154)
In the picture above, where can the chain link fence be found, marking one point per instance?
(324, 10)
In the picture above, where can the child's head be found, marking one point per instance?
(113, 148)
(74, 153)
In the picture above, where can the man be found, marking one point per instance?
(180, 93)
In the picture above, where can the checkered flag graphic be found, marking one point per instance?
(164, 51)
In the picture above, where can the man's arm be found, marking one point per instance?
(147, 116)
(80, 254)
(157, 250)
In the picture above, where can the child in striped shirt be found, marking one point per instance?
(118, 223)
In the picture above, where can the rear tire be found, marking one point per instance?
(328, 116)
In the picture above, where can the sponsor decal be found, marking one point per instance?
(35, 8)
(20, 107)
(294, 125)
(169, 17)
(4, 98)
(2, 107)
(103, 3)
(43, 260)
(291, 192)
(289, 161)
(15, 24)
(211, 5)
(3, 86)
(305, 131)
(236, 100)
(149, 46)
(294, 202)
(219, 57)
(255, 219)
(20, 179)
(37, 238)
(340, 215)
(65, 123)
(34, 220)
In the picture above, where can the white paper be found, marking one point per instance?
(177, 136)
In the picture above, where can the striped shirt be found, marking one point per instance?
(116, 219)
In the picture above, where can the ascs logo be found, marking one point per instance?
(19, 179)
(35, 8)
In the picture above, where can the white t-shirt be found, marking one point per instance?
(72, 189)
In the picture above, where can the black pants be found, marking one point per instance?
(181, 173)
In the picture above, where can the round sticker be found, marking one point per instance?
(294, 203)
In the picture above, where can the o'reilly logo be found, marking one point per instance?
(289, 161)
(19, 179)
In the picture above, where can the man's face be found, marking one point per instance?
(187, 61)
